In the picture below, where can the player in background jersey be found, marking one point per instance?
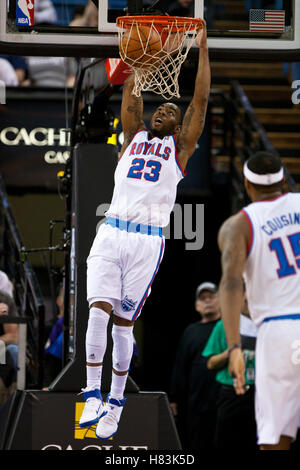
(262, 243)
(128, 248)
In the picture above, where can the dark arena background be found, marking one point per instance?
(59, 145)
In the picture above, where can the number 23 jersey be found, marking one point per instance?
(146, 181)
(272, 271)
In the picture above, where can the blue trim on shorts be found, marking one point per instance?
(133, 227)
(144, 298)
(291, 316)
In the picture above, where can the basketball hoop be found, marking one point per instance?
(155, 47)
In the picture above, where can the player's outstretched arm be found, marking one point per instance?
(233, 242)
(194, 118)
(131, 113)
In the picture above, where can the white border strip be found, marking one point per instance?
(112, 40)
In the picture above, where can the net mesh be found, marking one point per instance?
(158, 64)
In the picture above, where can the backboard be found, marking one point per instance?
(236, 28)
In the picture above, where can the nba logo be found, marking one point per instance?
(25, 13)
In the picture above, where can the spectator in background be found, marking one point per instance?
(8, 348)
(51, 72)
(78, 12)
(5, 284)
(89, 17)
(44, 12)
(7, 73)
(9, 333)
(194, 390)
(19, 66)
(236, 425)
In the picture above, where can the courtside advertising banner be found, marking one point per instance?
(146, 424)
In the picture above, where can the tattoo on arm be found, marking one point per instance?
(232, 245)
(188, 116)
(185, 126)
(192, 125)
(136, 109)
(131, 115)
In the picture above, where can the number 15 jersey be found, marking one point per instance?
(146, 181)
(272, 272)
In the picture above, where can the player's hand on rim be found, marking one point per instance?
(237, 370)
(201, 38)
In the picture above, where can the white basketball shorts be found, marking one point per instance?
(277, 400)
(121, 267)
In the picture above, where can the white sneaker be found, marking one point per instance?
(93, 408)
(108, 425)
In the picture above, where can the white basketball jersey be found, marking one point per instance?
(146, 181)
(272, 272)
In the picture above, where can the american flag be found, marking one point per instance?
(267, 20)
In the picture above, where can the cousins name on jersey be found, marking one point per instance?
(280, 222)
(148, 148)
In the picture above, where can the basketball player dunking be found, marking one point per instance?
(262, 243)
(128, 248)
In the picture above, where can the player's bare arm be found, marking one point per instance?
(233, 241)
(131, 113)
(194, 118)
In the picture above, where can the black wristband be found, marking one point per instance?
(235, 346)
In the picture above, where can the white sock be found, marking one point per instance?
(118, 384)
(122, 354)
(95, 344)
(93, 374)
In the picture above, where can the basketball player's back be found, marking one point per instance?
(272, 271)
(272, 275)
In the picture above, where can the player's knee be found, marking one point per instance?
(102, 306)
(122, 321)
(122, 347)
(96, 335)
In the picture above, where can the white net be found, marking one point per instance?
(156, 53)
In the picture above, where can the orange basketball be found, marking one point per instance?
(140, 46)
